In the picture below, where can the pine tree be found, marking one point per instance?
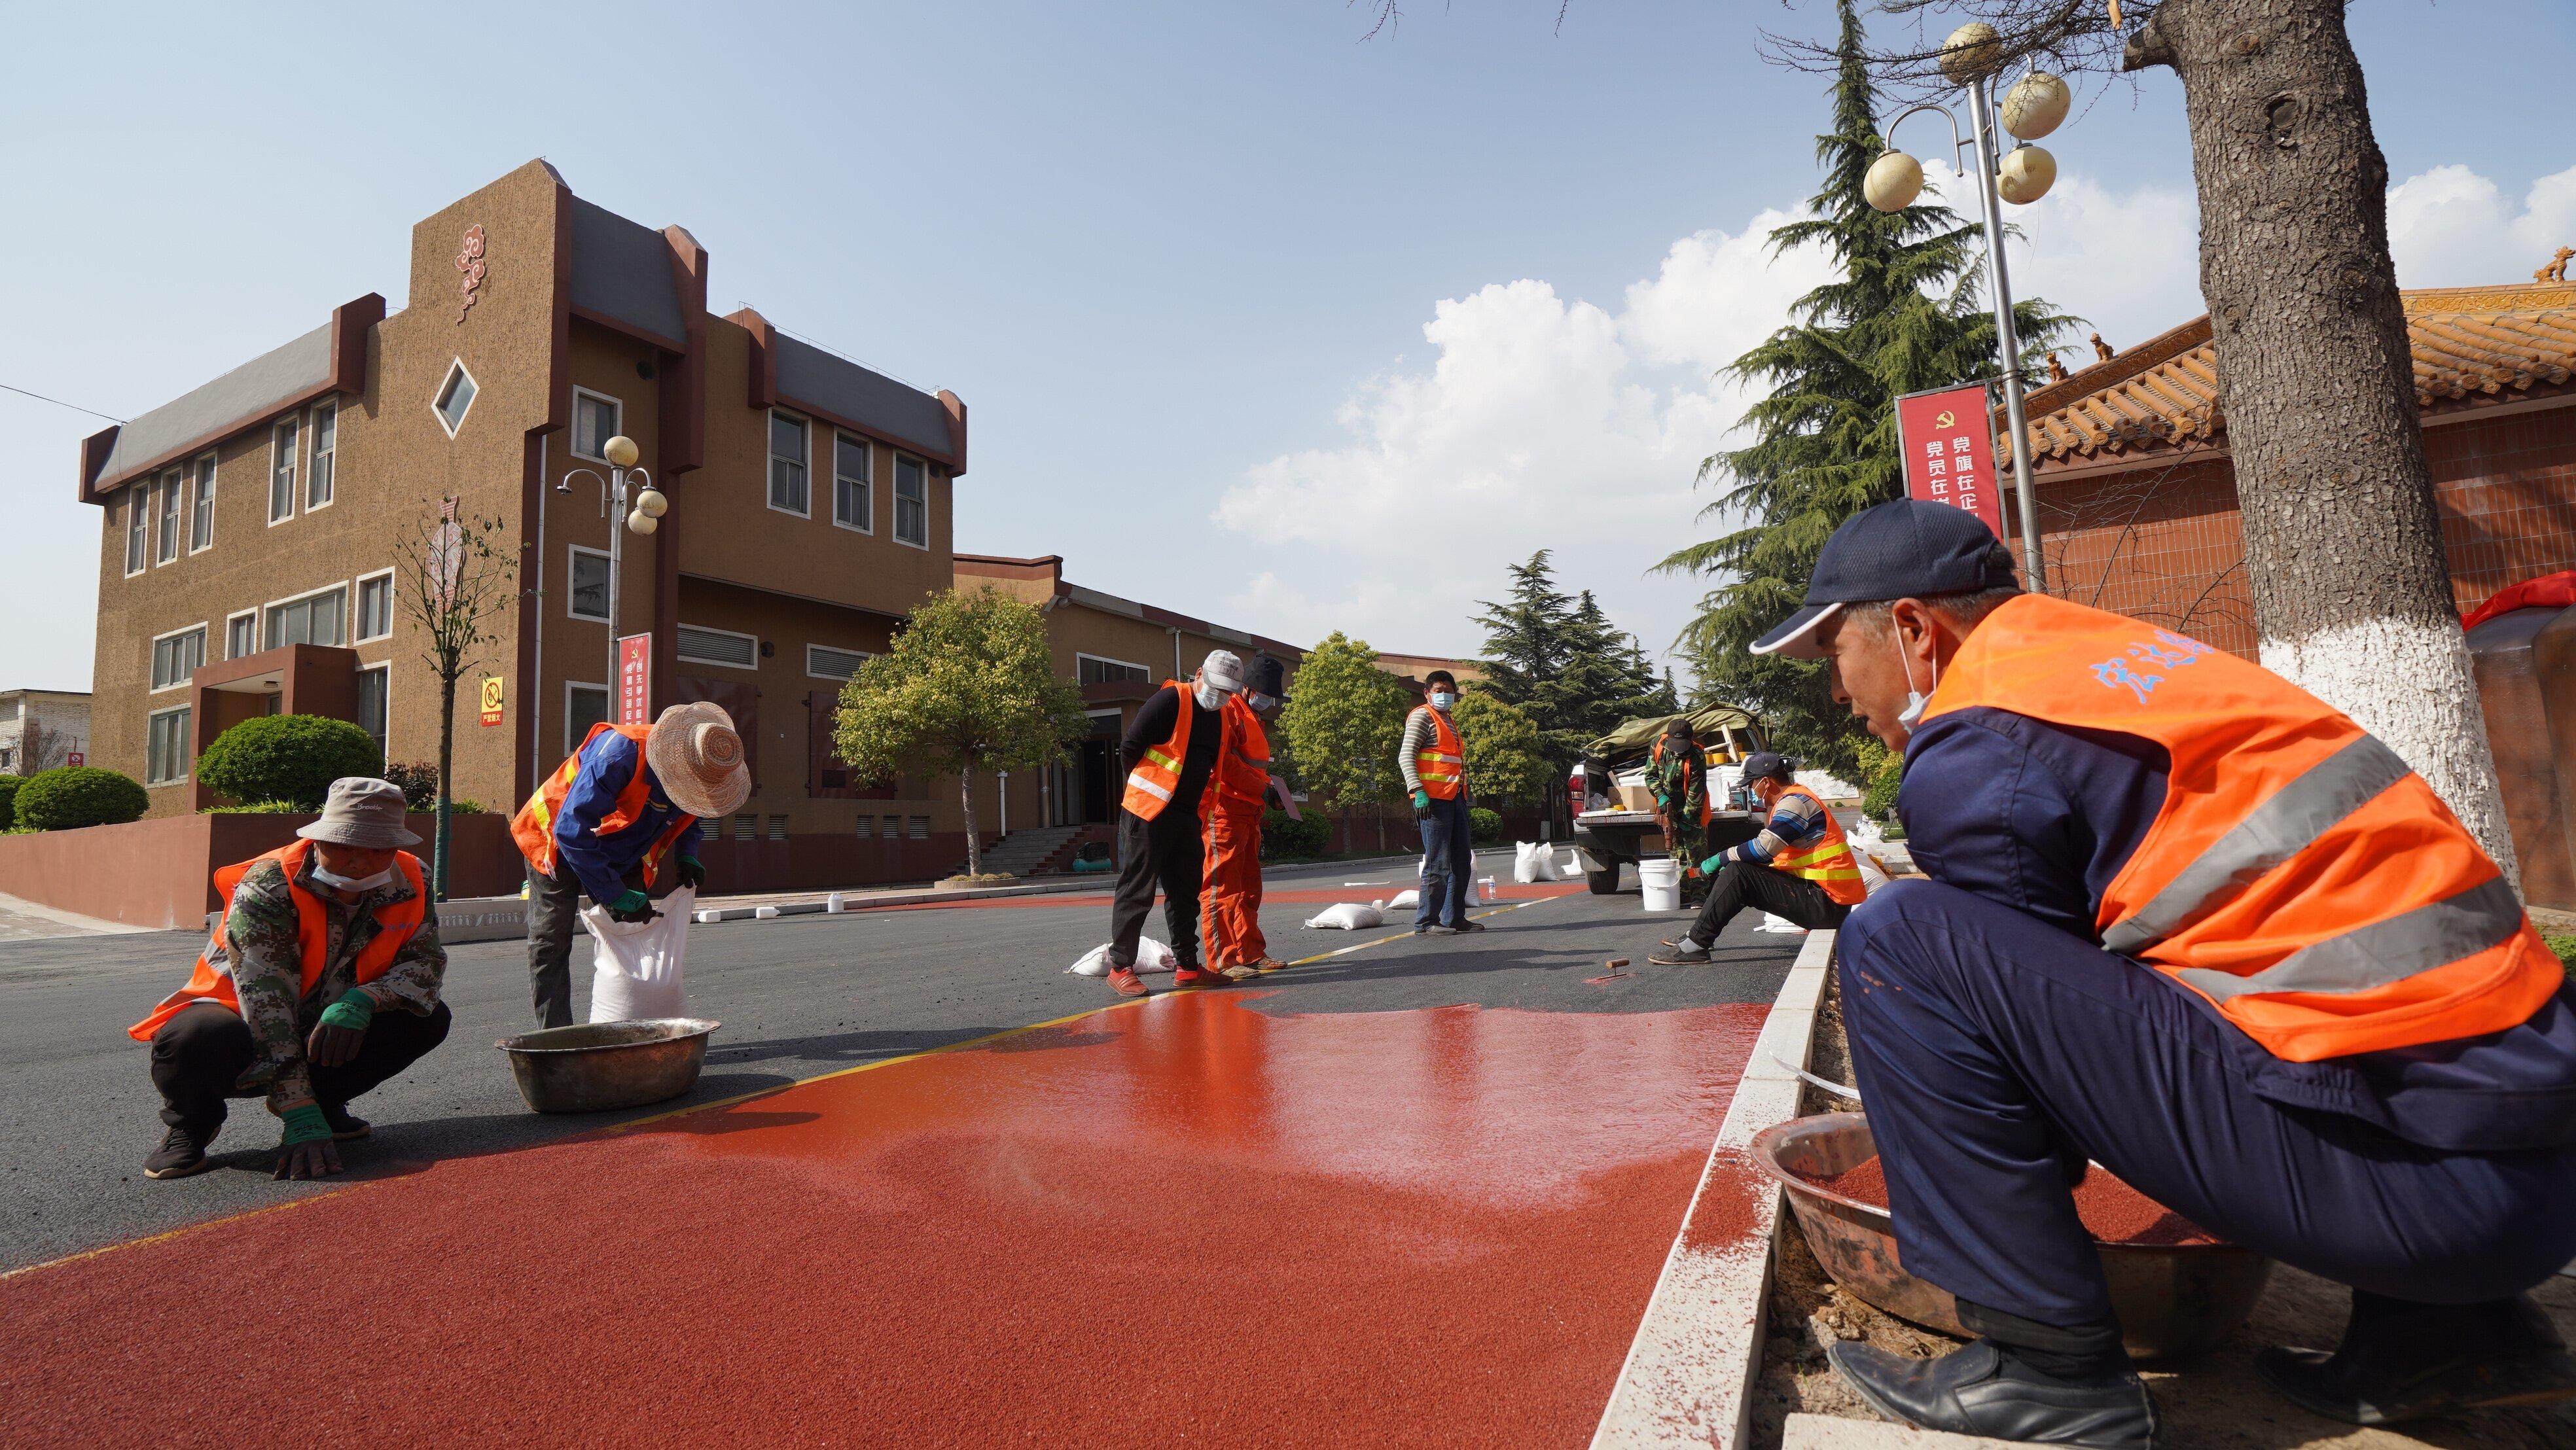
(1560, 659)
(1525, 633)
(1903, 316)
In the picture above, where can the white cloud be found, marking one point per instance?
(2451, 227)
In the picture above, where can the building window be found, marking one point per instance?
(373, 688)
(201, 515)
(911, 502)
(826, 663)
(851, 506)
(1093, 670)
(787, 491)
(165, 757)
(702, 646)
(778, 828)
(594, 421)
(455, 396)
(894, 828)
(138, 525)
(584, 706)
(169, 517)
(867, 828)
(281, 472)
(920, 828)
(376, 606)
(746, 828)
(175, 655)
(314, 619)
(326, 442)
(241, 634)
(589, 599)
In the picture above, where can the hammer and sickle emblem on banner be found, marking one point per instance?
(1946, 419)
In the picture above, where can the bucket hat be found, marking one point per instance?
(697, 756)
(362, 811)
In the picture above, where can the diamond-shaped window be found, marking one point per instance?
(455, 396)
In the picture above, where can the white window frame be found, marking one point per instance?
(769, 462)
(187, 759)
(720, 664)
(605, 694)
(456, 368)
(253, 616)
(348, 602)
(357, 610)
(815, 674)
(138, 527)
(284, 457)
(616, 420)
(572, 580)
(386, 668)
(867, 481)
(1079, 656)
(169, 516)
(894, 496)
(321, 465)
(201, 501)
(155, 648)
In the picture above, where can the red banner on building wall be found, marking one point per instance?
(1950, 452)
(635, 679)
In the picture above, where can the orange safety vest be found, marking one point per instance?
(1241, 780)
(1442, 767)
(212, 983)
(1707, 811)
(534, 826)
(1829, 862)
(2300, 877)
(1158, 774)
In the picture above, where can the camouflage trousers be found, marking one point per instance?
(1689, 844)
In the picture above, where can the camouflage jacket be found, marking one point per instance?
(266, 953)
(1665, 780)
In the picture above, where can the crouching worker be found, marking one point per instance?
(2191, 923)
(320, 983)
(618, 822)
(1799, 867)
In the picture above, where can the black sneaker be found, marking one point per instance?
(345, 1125)
(1685, 953)
(2409, 1361)
(1981, 1391)
(1469, 925)
(182, 1152)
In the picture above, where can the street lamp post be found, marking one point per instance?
(646, 516)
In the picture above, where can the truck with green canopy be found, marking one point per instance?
(1614, 818)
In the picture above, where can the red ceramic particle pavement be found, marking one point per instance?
(1179, 1222)
(1299, 896)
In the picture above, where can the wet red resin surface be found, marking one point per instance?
(2114, 1212)
(1182, 1222)
(1504, 893)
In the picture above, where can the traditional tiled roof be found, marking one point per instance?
(2473, 346)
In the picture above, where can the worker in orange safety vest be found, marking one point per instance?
(1240, 788)
(1170, 750)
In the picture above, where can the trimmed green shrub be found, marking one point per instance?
(2563, 946)
(465, 808)
(290, 758)
(1282, 838)
(8, 798)
(69, 797)
(419, 784)
(258, 808)
(1484, 827)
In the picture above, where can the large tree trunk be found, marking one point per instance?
(2343, 544)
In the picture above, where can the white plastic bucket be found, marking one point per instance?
(1662, 881)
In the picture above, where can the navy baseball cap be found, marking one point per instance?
(1905, 549)
(1770, 765)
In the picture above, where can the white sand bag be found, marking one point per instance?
(1403, 900)
(1873, 877)
(1533, 861)
(635, 974)
(1778, 923)
(1151, 956)
(1348, 916)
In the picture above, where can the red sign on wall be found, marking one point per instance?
(1949, 451)
(635, 679)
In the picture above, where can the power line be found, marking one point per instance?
(59, 403)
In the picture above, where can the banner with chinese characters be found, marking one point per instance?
(635, 679)
(1949, 451)
(491, 699)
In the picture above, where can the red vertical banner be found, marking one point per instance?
(1948, 443)
(635, 679)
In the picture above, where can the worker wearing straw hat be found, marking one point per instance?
(618, 821)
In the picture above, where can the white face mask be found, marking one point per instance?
(324, 875)
(1915, 699)
(1210, 697)
(1442, 699)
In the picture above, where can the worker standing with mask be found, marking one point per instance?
(1434, 763)
(1170, 750)
(1677, 772)
(1240, 788)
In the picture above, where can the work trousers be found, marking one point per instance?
(198, 1057)
(1994, 1051)
(1687, 840)
(1448, 863)
(554, 912)
(1165, 852)
(1232, 914)
(1763, 888)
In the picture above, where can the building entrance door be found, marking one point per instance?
(1099, 769)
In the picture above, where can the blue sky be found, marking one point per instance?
(1258, 320)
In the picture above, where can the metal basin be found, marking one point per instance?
(2172, 1299)
(596, 1066)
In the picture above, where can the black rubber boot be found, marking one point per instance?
(2402, 1361)
(1983, 1390)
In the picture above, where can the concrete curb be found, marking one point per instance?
(1689, 1375)
(1826, 1432)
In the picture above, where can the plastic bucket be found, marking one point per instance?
(1662, 881)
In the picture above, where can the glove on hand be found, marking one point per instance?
(305, 1124)
(1421, 802)
(631, 905)
(1714, 864)
(354, 1010)
(693, 872)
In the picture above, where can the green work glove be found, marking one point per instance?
(1714, 864)
(693, 872)
(1422, 800)
(354, 1010)
(630, 903)
(305, 1125)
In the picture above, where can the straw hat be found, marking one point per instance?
(362, 811)
(694, 751)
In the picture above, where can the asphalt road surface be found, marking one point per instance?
(799, 997)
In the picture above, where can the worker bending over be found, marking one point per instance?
(1240, 788)
(2189, 922)
(1170, 750)
(1798, 867)
(1434, 763)
(1677, 773)
(320, 983)
(618, 821)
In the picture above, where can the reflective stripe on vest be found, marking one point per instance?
(398, 921)
(1241, 781)
(1829, 863)
(533, 828)
(2298, 876)
(1158, 772)
(1442, 766)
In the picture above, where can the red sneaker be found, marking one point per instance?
(1125, 982)
(1200, 977)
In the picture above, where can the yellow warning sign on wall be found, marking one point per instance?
(491, 699)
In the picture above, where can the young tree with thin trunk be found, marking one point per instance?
(456, 579)
(1343, 724)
